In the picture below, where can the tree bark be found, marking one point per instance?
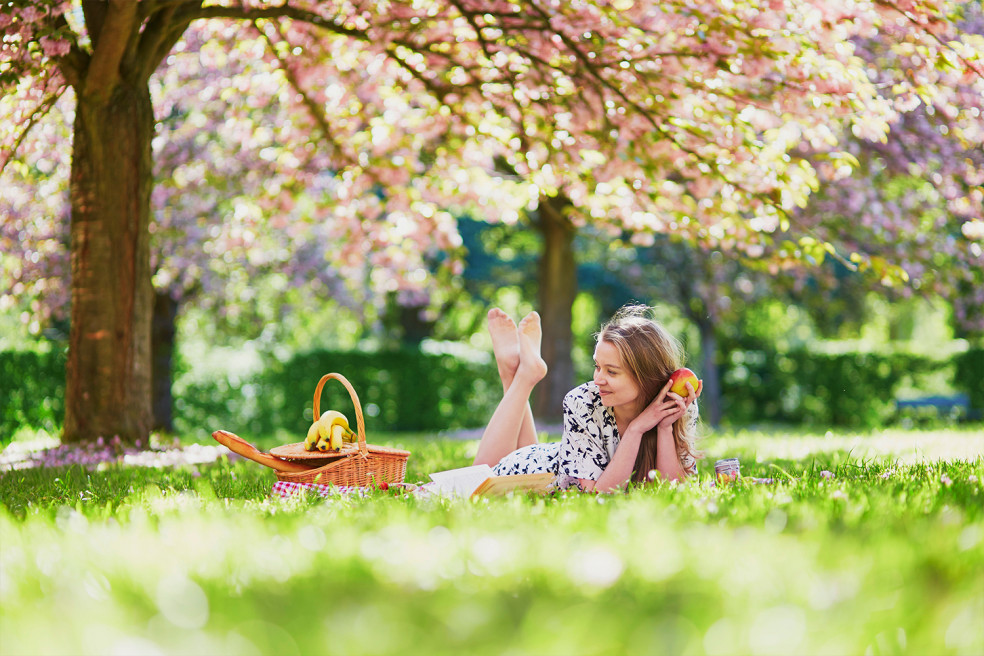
(711, 409)
(108, 381)
(162, 336)
(557, 279)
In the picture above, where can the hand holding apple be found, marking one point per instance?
(679, 380)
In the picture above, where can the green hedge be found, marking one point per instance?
(409, 390)
(398, 390)
(849, 389)
(32, 391)
(969, 376)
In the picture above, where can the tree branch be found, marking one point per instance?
(42, 109)
(95, 15)
(115, 33)
(159, 36)
(73, 64)
(317, 114)
(908, 16)
(284, 11)
(470, 17)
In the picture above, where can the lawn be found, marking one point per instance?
(865, 544)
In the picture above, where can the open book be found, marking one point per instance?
(478, 480)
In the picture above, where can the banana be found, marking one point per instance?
(329, 432)
(336, 436)
(324, 427)
(332, 417)
(311, 441)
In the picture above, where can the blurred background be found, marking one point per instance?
(850, 295)
(782, 352)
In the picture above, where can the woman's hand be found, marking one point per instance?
(665, 409)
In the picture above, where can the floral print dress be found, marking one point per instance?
(588, 445)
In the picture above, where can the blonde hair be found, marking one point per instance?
(651, 355)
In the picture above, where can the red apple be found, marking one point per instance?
(679, 380)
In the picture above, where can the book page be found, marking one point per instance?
(517, 482)
(461, 481)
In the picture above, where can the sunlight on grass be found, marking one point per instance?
(877, 555)
(892, 444)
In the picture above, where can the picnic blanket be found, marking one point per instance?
(287, 489)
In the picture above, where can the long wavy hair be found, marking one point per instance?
(651, 355)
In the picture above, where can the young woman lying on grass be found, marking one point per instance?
(623, 425)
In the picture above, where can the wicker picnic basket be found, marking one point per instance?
(363, 466)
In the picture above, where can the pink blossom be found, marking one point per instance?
(31, 14)
(55, 47)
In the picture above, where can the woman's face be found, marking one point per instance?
(618, 388)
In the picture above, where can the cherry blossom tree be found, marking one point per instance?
(211, 243)
(685, 117)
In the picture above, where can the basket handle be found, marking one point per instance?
(359, 420)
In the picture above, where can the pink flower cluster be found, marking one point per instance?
(285, 149)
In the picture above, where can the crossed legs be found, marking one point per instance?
(517, 356)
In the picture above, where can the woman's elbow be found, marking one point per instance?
(588, 485)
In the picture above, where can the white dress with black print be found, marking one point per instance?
(588, 445)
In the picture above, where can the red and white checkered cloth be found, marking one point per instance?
(286, 489)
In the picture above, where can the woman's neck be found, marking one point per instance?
(624, 417)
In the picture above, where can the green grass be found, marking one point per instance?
(884, 557)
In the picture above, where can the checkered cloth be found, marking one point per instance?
(286, 489)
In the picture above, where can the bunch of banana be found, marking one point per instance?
(329, 432)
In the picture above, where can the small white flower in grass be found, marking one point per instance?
(945, 480)
(652, 474)
(971, 479)
(839, 494)
(826, 474)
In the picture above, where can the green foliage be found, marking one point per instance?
(969, 376)
(408, 390)
(881, 557)
(846, 389)
(32, 391)
(401, 389)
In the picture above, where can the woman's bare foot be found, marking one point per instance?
(505, 344)
(531, 364)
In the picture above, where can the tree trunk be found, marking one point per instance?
(108, 381)
(415, 327)
(162, 349)
(711, 409)
(557, 279)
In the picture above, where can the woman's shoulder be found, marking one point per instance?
(586, 394)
